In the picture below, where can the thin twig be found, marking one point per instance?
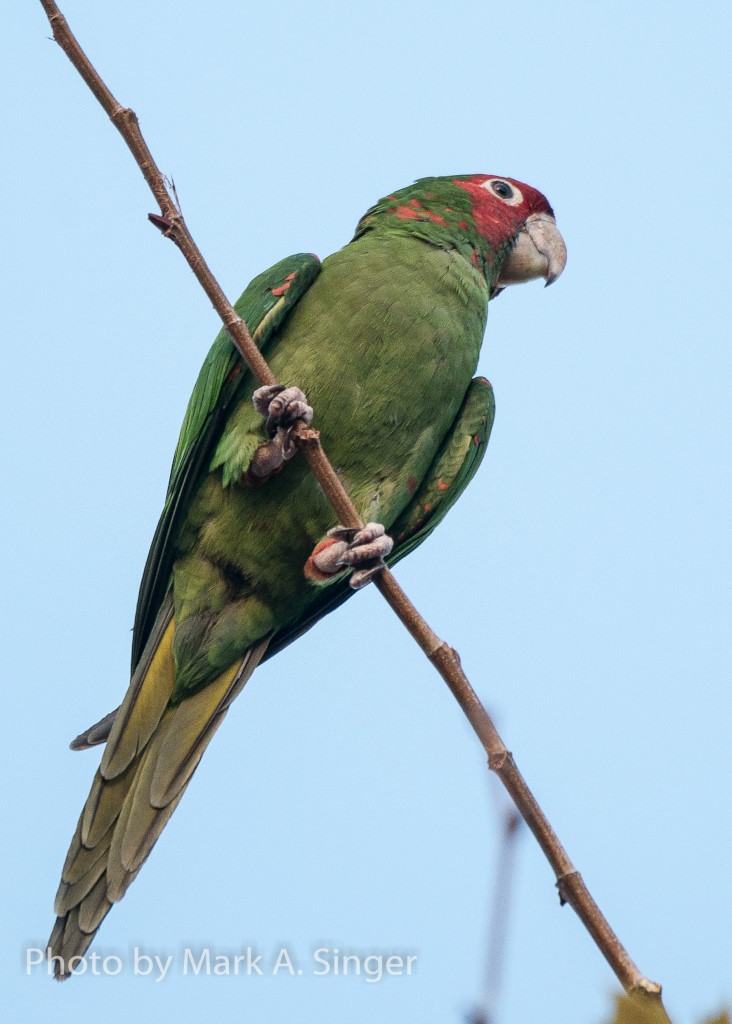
(572, 889)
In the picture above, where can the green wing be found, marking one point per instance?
(263, 306)
(452, 470)
(454, 467)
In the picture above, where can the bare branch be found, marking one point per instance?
(572, 889)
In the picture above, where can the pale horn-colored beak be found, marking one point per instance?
(539, 252)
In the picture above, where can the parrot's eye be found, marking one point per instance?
(508, 193)
(502, 189)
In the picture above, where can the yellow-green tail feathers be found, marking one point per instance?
(152, 752)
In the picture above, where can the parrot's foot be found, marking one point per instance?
(284, 408)
(348, 547)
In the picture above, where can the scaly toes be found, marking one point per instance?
(282, 406)
(362, 549)
(366, 544)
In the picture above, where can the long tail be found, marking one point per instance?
(152, 752)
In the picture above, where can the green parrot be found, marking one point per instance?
(383, 338)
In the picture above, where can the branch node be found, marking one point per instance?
(305, 435)
(161, 223)
(646, 988)
(564, 886)
(497, 761)
(443, 654)
(125, 114)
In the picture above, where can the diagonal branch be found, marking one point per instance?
(571, 887)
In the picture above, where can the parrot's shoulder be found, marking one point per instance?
(263, 306)
(268, 298)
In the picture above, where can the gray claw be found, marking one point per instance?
(361, 577)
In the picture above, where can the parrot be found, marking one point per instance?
(382, 339)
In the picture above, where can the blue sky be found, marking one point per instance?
(585, 577)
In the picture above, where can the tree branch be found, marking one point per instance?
(572, 889)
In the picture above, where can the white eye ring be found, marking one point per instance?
(504, 190)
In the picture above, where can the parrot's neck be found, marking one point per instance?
(429, 220)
